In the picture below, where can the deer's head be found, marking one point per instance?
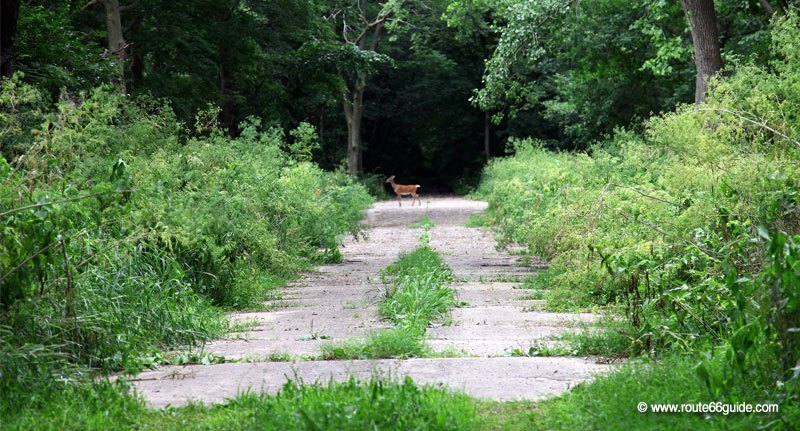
(390, 179)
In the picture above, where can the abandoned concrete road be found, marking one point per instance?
(337, 302)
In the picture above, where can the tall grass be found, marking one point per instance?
(124, 234)
(351, 405)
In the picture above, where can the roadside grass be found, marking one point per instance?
(351, 405)
(476, 220)
(536, 295)
(606, 342)
(607, 403)
(69, 406)
(542, 280)
(610, 403)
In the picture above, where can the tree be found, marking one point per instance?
(360, 25)
(9, 12)
(470, 21)
(368, 35)
(116, 40)
(705, 38)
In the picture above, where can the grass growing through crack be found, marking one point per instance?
(350, 405)
(416, 295)
(424, 223)
(392, 343)
(476, 220)
(608, 403)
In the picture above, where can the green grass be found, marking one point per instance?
(424, 223)
(540, 281)
(476, 220)
(606, 342)
(383, 344)
(418, 294)
(536, 295)
(607, 403)
(65, 407)
(610, 402)
(350, 405)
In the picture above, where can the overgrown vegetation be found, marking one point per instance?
(416, 294)
(351, 405)
(396, 343)
(123, 232)
(690, 230)
(610, 403)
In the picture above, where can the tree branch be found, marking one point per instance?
(376, 37)
(91, 3)
(129, 6)
(363, 35)
(767, 8)
(749, 120)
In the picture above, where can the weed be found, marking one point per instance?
(423, 223)
(388, 343)
(476, 220)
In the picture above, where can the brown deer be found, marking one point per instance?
(401, 190)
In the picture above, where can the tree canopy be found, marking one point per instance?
(402, 87)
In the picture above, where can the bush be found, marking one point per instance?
(121, 231)
(688, 228)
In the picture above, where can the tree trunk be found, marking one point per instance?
(225, 94)
(705, 38)
(353, 99)
(486, 136)
(354, 114)
(116, 41)
(9, 12)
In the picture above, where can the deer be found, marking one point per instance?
(403, 190)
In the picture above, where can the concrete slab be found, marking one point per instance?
(491, 378)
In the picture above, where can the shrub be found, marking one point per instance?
(688, 228)
(120, 231)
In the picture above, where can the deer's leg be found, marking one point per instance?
(398, 200)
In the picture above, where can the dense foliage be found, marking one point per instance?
(289, 62)
(691, 229)
(146, 188)
(122, 229)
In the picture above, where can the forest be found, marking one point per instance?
(164, 165)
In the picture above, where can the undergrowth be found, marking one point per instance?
(124, 233)
(351, 405)
(690, 231)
